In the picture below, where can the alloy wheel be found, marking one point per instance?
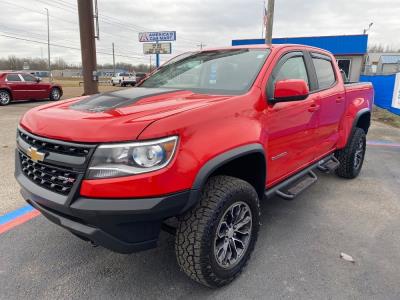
(359, 154)
(55, 94)
(4, 97)
(233, 235)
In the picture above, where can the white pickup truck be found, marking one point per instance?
(124, 79)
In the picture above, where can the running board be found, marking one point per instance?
(329, 165)
(295, 188)
(294, 185)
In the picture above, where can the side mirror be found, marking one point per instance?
(290, 90)
(38, 79)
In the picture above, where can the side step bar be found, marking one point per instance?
(294, 185)
(329, 166)
(292, 190)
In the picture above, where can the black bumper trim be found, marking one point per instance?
(94, 234)
(121, 225)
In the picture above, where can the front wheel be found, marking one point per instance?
(215, 239)
(55, 94)
(5, 97)
(351, 158)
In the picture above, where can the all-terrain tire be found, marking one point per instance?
(196, 235)
(351, 158)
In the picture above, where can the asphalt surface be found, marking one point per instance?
(296, 256)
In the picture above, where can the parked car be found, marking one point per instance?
(16, 86)
(140, 76)
(203, 140)
(124, 79)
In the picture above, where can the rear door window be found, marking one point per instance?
(13, 77)
(28, 77)
(325, 73)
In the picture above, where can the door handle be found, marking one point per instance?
(313, 107)
(339, 99)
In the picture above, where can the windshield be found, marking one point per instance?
(216, 72)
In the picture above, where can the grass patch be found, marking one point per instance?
(386, 117)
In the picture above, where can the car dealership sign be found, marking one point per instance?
(157, 48)
(157, 36)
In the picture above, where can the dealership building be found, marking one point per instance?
(350, 50)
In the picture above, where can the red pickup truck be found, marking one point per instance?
(16, 86)
(193, 150)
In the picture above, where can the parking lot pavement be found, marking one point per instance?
(297, 254)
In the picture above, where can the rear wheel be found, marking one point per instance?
(215, 239)
(351, 158)
(55, 94)
(5, 97)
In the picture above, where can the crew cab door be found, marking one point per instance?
(331, 101)
(290, 125)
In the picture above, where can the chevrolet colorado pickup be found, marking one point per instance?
(193, 150)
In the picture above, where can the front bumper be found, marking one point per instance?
(121, 225)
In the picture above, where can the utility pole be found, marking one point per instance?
(88, 46)
(113, 57)
(270, 22)
(48, 42)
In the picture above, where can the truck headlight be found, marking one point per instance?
(114, 160)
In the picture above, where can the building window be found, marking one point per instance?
(345, 64)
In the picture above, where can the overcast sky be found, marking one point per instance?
(212, 22)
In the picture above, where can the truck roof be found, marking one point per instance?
(265, 46)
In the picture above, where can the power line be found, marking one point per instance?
(107, 19)
(68, 47)
(39, 12)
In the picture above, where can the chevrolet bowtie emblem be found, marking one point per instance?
(35, 155)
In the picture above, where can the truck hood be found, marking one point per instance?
(111, 117)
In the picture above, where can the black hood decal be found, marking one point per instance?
(112, 100)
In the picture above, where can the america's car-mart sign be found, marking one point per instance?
(157, 36)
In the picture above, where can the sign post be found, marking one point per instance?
(157, 48)
(157, 57)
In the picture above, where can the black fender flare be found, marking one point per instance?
(213, 164)
(359, 114)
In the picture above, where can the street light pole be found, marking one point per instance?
(270, 22)
(48, 42)
(367, 29)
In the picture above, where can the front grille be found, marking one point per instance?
(56, 179)
(45, 145)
